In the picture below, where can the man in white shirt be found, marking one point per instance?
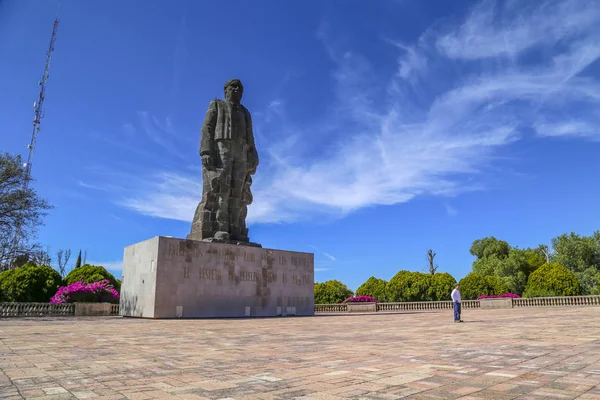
(456, 303)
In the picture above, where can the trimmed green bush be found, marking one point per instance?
(29, 283)
(475, 285)
(90, 274)
(375, 288)
(408, 286)
(440, 287)
(552, 280)
(331, 292)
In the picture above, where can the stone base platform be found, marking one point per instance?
(198, 236)
(166, 277)
(496, 303)
(530, 353)
(92, 309)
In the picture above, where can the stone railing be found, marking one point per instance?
(567, 301)
(56, 310)
(35, 309)
(402, 306)
(557, 301)
(330, 308)
(424, 305)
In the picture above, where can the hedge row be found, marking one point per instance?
(38, 283)
(547, 280)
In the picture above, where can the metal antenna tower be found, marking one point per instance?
(38, 115)
(38, 105)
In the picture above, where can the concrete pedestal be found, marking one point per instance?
(487, 304)
(92, 309)
(177, 278)
(353, 307)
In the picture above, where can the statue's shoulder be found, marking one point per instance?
(215, 102)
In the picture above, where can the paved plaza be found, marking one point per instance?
(538, 353)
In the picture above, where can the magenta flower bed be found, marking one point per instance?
(502, 296)
(96, 292)
(359, 299)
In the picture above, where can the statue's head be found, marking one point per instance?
(234, 90)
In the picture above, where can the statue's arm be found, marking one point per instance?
(250, 139)
(207, 137)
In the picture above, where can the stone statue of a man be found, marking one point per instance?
(229, 158)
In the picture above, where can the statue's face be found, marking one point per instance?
(233, 92)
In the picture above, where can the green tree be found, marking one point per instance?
(552, 280)
(576, 253)
(490, 246)
(91, 273)
(78, 261)
(408, 286)
(373, 287)
(580, 255)
(29, 283)
(512, 265)
(441, 286)
(19, 207)
(331, 292)
(513, 269)
(589, 281)
(475, 285)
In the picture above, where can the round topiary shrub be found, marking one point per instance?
(441, 286)
(90, 274)
(475, 285)
(373, 287)
(552, 280)
(408, 286)
(331, 292)
(29, 283)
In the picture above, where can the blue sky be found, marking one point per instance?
(384, 128)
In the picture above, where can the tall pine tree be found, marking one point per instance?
(78, 262)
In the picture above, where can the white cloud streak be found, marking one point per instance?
(451, 211)
(114, 267)
(423, 128)
(332, 258)
(569, 128)
(513, 27)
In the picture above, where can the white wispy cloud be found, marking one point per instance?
(458, 95)
(324, 254)
(451, 211)
(569, 128)
(129, 130)
(163, 134)
(104, 187)
(114, 267)
(509, 28)
(332, 258)
(167, 195)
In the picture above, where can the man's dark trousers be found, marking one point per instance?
(456, 311)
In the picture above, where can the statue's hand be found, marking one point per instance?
(252, 162)
(207, 162)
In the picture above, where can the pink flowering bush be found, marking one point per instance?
(95, 292)
(360, 299)
(502, 296)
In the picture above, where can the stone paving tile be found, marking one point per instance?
(537, 353)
